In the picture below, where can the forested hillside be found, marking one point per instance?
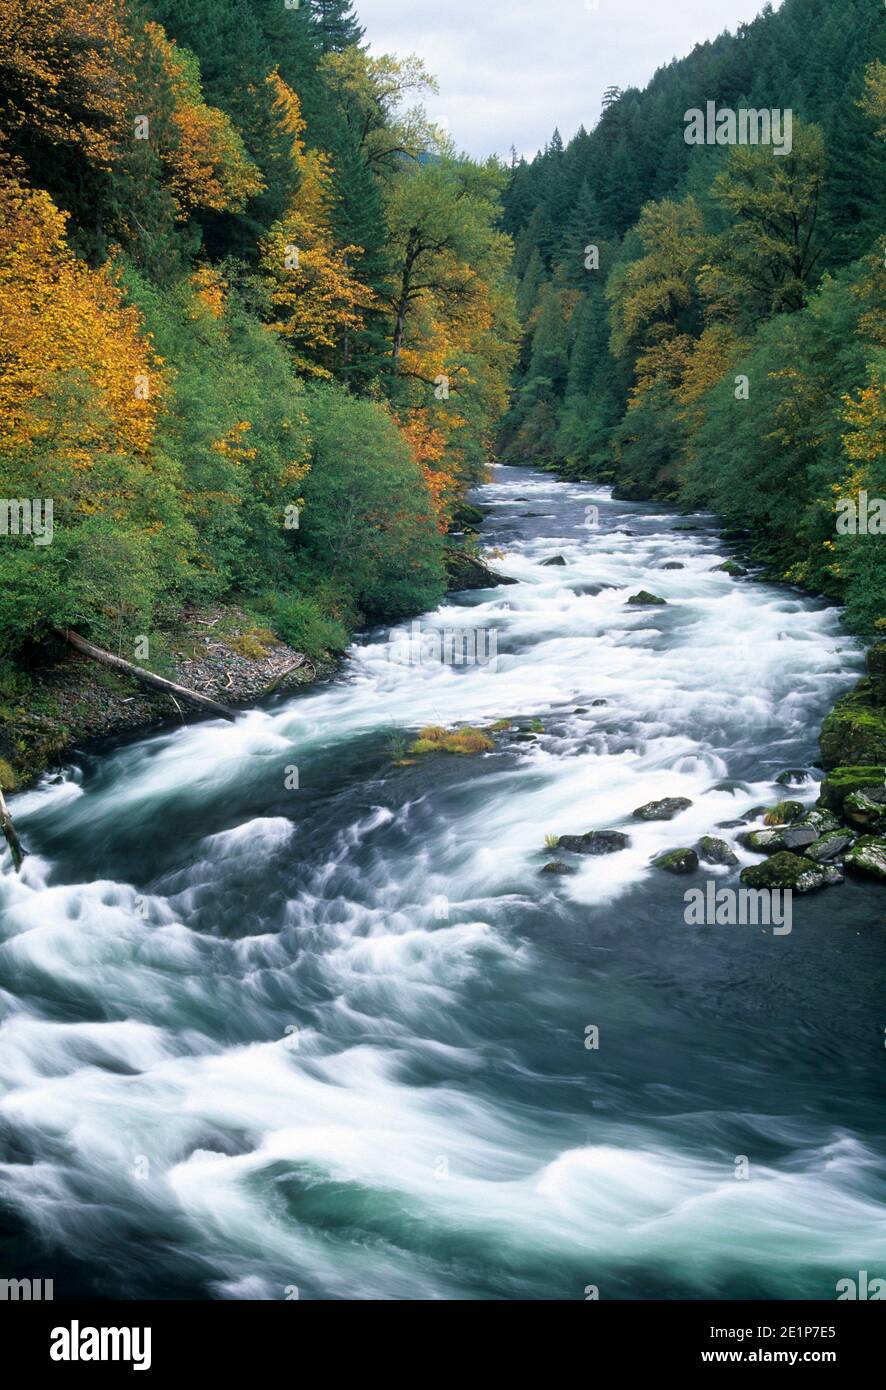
(705, 323)
(256, 316)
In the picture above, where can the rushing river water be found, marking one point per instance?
(258, 1038)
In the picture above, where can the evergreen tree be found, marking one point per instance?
(336, 24)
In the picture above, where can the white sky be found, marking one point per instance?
(511, 70)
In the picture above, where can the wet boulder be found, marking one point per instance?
(466, 571)
(854, 733)
(868, 857)
(844, 780)
(714, 851)
(645, 599)
(677, 861)
(594, 842)
(731, 568)
(866, 810)
(554, 560)
(556, 866)
(830, 847)
(665, 809)
(793, 871)
(822, 821)
(793, 777)
(782, 837)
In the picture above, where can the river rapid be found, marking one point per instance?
(262, 1040)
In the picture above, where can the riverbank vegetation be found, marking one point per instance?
(705, 324)
(257, 322)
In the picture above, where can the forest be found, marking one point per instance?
(257, 317)
(703, 323)
(264, 326)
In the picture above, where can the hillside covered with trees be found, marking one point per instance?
(704, 323)
(256, 316)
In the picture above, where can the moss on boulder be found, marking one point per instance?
(854, 732)
(868, 857)
(677, 861)
(794, 871)
(844, 780)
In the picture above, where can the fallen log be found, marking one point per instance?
(9, 830)
(146, 677)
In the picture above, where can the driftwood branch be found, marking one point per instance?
(146, 677)
(294, 666)
(9, 830)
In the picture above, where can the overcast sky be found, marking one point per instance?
(511, 70)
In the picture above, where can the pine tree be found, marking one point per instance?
(336, 24)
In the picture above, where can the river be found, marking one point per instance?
(331, 1040)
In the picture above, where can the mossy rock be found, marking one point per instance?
(868, 857)
(677, 861)
(646, 599)
(854, 733)
(876, 664)
(665, 809)
(783, 837)
(466, 517)
(594, 842)
(714, 851)
(865, 810)
(731, 568)
(466, 571)
(842, 781)
(832, 846)
(556, 866)
(823, 821)
(793, 871)
(793, 776)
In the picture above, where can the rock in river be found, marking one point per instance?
(645, 598)
(594, 842)
(714, 851)
(792, 871)
(868, 857)
(677, 861)
(665, 809)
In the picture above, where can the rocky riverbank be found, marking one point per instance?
(68, 700)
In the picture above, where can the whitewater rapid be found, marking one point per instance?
(260, 1038)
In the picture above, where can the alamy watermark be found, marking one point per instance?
(26, 1290)
(865, 517)
(739, 907)
(20, 516)
(747, 126)
(448, 646)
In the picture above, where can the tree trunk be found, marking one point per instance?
(9, 830)
(146, 677)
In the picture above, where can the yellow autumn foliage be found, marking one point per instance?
(59, 318)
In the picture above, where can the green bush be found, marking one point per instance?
(302, 623)
(368, 522)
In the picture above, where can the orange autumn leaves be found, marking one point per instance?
(207, 163)
(76, 75)
(315, 292)
(58, 58)
(62, 322)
